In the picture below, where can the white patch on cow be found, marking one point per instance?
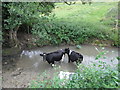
(70, 52)
(44, 54)
(63, 58)
(53, 65)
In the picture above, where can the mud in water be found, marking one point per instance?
(31, 64)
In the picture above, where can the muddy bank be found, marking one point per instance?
(29, 65)
(10, 56)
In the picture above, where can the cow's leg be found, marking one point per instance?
(77, 62)
(69, 61)
(53, 64)
(80, 60)
(59, 61)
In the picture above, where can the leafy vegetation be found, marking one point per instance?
(74, 24)
(78, 24)
(25, 13)
(95, 75)
(69, 24)
(21, 14)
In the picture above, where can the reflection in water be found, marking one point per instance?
(36, 64)
(30, 54)
(32, 61)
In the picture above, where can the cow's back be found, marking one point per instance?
(55, 56)
(75, 56)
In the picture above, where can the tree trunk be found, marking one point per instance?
(14, 42)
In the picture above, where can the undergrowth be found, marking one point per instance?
(78, 24)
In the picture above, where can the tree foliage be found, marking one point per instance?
(25, 12)
(16, 14)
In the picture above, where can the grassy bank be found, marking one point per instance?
(77, 24)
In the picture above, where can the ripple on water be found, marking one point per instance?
(32, 58)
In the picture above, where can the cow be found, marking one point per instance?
(53, 56)
(73, 56)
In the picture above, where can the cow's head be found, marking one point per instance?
(67, 50)
(44, 56)
(63, 51)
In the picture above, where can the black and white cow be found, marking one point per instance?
(73, 56)
(53, 56)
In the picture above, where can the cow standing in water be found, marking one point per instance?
(73, 56)
(53, 56)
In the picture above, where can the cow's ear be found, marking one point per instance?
(68, 48)
(41, 54)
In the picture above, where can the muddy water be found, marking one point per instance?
(32, 63)
(32, 60)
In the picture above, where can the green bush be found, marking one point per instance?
(57, 32)
(79, 24)
(94, 78)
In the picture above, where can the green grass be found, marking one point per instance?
(82, 11)
(79, 14)
(80, 23)
(93, 17)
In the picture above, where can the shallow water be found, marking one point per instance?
(32, 61)
(31, 64)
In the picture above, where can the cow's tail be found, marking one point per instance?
(41, 54)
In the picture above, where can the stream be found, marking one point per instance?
(31, 64)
